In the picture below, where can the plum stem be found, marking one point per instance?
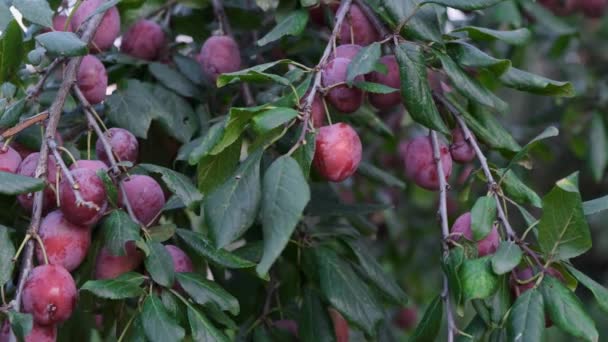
(41, 168)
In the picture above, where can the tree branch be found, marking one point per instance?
(32, 120)
(55, 110)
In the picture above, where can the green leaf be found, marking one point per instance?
(563, 232)
(189, 67)
(160, 264)
(178, 183)
(506, 258)
(232, 207)
(203, 329)
(21, 323)
(599, 292)
(174, 113)
(525, 81)
(596, 205)
(162, 232)
(285, 193)
(124, 286)
(415, 89)
(468, 55)
(13, 184)
(206, 143)
(526, 320)
(116, 230)
(201, 245)
(213, 170)
(5, 17)
(469, 87)
(566, 310)
(364, 62)
(375, 88)
(430, 325)
(467, 5)
(422, 23)
(12, 113)
(250, 74)
(549, 132)
(11, 51)
(598, 154)
(173, 79)
(483, 216)
(7, 251)
(314, 322)
(476, 328)
(273, 118)
(204, 291)
(131, 107)
(235, 125)
(65, 44)
(544, 17)
(517, 190)
(159, 326)
(366, 117)
(293, 24)
(305, 154)
(376, 174)
(515, 37)
(478, 281)
(109, 186)
(37, 11)
(451, 266)
(340, 284)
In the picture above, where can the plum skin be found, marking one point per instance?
(39, 333)
(28, 168)
(344, 98)
(593, 8)
(340, 325)
(49, 294)
(391, 79)
(420, 165)
(59, 23)
(181, 261)
(144, 40)
(338, 152)
(461, 150)
(219, 55)
(109, 266)
(9, 160)
(145, 196)
(124, 145)
(66, 244)
(91, 189)
(317, 110)
(406, 318)
(108, 29)
(485, 246)
(92, 79)
(363, 31)
(348, 51)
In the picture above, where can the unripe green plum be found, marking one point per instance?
(391, 79)
(363, 32)
(10, 159)
(66, 244)
(108, 29)
(219, 55)
(461, 150)
(145, 40)
(92, 79)
(344, 98)
(124, 145)
(420, 167)
(338, 152)
(485, 246)
(91, 190)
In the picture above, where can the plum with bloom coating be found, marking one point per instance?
(338, 152)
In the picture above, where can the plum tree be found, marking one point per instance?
(344, 98)
(593, 8)
(145, 196)
(219, 54)
(66, 244)
(108, 30)
(485, 246)
(28, 168)
(124, 145)
(391, 79)
(145, 40)
(91, 189)
(49, 294)
(92, 79)
(108, 266)
(357, 29)
(94, 165)
(181, 260)
(348, 51)
(338, 152)
(417, 155)
(9, 160)
(460, 149)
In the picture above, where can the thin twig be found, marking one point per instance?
(32, 120)
(445, 231)
(316, 86)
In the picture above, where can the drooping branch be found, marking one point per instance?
(69, 78)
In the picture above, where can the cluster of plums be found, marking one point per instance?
(590, 8)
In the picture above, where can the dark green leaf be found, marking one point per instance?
(506, 258)
(173, 79)
(549, 132)
(178, 183)
(206, 143)
(65, 44)
(544, 17)
(363, 62)
(468, 55)
(566, 311)
(451, 266)
(7, 251)
(174, 113)
(159, 326)
(117, 229)
(21, 324)
(596, 205)
(13, 184)
(517, 190)
(124, 286)
(162, 232)
(422, 23)
(37, 11)
(213, 170)
(478, 280)
(476, 328)
(293, 24)
(189, 67)
(232, 207)
(599, 292)
(515, 37)
(415, 88)
(235, 125)
(201, 245)
(204, 291)
(467, 5)
(160, 264)
(525, 81)
(132, 107)
(285, 193)
(526, 320)
(314, 323)
(563, 232)
(109, 186)
(430, 325)
(483, 216)
(273, 118)
(203, 329)
(375, 88)
(383, 177)
(12, 113)
(248, 74)
(305, 154)
(11, 50)
(366, 117)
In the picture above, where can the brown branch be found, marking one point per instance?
(55, 110)
(32, 120)
(316, 86)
